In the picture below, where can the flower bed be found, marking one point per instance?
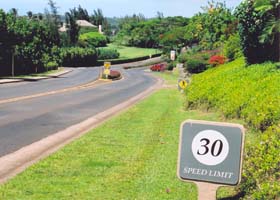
(217, 60)
(158, 67)
(114, 75)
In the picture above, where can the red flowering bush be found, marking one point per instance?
(217, 60)
(158, 68)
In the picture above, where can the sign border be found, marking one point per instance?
(225, 124)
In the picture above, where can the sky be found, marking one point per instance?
(117, 8)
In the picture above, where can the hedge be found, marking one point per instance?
(128, 60)
(92, 39)
(78, 57)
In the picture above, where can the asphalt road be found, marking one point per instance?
(27, 121)
(78, 76)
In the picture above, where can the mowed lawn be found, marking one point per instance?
(132, 156)
(132, 52)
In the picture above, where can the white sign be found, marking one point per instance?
(210, 147)
(172, 55)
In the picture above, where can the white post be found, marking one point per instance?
(207, 191)
(13, 64)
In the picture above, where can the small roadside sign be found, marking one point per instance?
(107, 65)
(106, 72)
(210, 152)
(172, 55)
(182, 84)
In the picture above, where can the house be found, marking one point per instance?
(81, 23)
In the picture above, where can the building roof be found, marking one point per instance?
(85, 23)
(81, 23)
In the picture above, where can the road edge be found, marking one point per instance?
(15, 163)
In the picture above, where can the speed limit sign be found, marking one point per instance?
(210, 152)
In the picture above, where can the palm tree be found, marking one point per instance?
(271, 32)
(271, 8)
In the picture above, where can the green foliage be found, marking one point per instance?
(80, 13)
(92, 39)
(251, 25)
(53, 21)
(272, 26)
(136, 31)
(106, 53)
(72, 27)
(88, 29)
(195, 65)
(232, 47)
(211, 27)
(261, 172)
(78, 57)
(194, 62)
(173, 39)
(250, 93)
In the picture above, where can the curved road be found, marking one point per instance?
(27, 121)
(78, 76)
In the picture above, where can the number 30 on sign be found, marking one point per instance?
(210, 152)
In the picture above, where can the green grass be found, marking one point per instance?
(171, 78)
(132, 156)
(132, 52)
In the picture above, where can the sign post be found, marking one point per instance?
(210, 154)
(107, 66)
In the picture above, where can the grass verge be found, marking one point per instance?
(132, 156)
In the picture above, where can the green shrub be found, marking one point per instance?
(88, 30)
(78, 57)
(171, 65)
(261, 172)
(92, 39)
(251, 93)
(232, 47)
(195, 62)
(183, 57)
(104, 54)
(195, 65)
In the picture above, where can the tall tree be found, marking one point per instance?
(272, 9)
(29, 14)
(53, 21)
(80, 13)
(97, 18)
(72, 27)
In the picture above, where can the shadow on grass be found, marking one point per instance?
(235, 197)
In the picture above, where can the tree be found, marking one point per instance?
(53, 21)
(73, 28)
(272, 26)
(251, 25)
(14, 12)
(271, 32)
(29, 14)
(80, 13)
(97, 18)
